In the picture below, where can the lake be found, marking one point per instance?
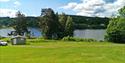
(97, 34)
(34, 32)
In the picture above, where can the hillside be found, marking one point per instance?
(81, 22)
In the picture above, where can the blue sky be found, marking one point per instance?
(33, 7)
(99, 8)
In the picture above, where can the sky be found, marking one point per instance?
(92, 8)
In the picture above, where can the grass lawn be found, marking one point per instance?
(63, 52)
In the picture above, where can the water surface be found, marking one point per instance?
(97, 34)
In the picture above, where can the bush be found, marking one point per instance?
(37, 40)
(78, 39)
(116, 28)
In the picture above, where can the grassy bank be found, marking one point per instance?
(47, 51)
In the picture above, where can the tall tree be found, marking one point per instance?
(63, 19)
(69, 28)
(20, 23)
(49, 23)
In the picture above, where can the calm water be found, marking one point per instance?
(88, 33)
(94, 34)
(34, 32)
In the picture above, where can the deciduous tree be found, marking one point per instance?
(20, 24)
(116, 28)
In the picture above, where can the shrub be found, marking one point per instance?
(78, 39)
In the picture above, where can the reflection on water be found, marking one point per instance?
(5, 31)
(34, 32)
(88, 33)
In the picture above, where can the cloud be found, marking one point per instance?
(7, 13)
(4, 0)
(70, 5)
(101, 8)
(17, 3)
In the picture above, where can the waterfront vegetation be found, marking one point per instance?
(116, 28)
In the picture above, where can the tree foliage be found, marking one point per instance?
(69, 27)
(80, 22)
(62, 20)
(6, 21)
(20, 24)
(122, 12)
(55, 26)
(32, 21)
(83, 22)
(49, 23)
(116, 28)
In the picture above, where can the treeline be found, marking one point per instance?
(6, 21)
(80, 22)
(83, 22)
(9, 22)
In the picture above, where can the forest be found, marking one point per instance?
(80, 22)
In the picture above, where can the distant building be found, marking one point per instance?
(18, 40)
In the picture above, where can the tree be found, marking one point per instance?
(20, 24)
(63, 19)
(67, 25)
(116, 28)
(49, 23)
(122, 12)
(55, 26)
(69, 28)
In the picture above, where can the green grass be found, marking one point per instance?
(63, 52)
